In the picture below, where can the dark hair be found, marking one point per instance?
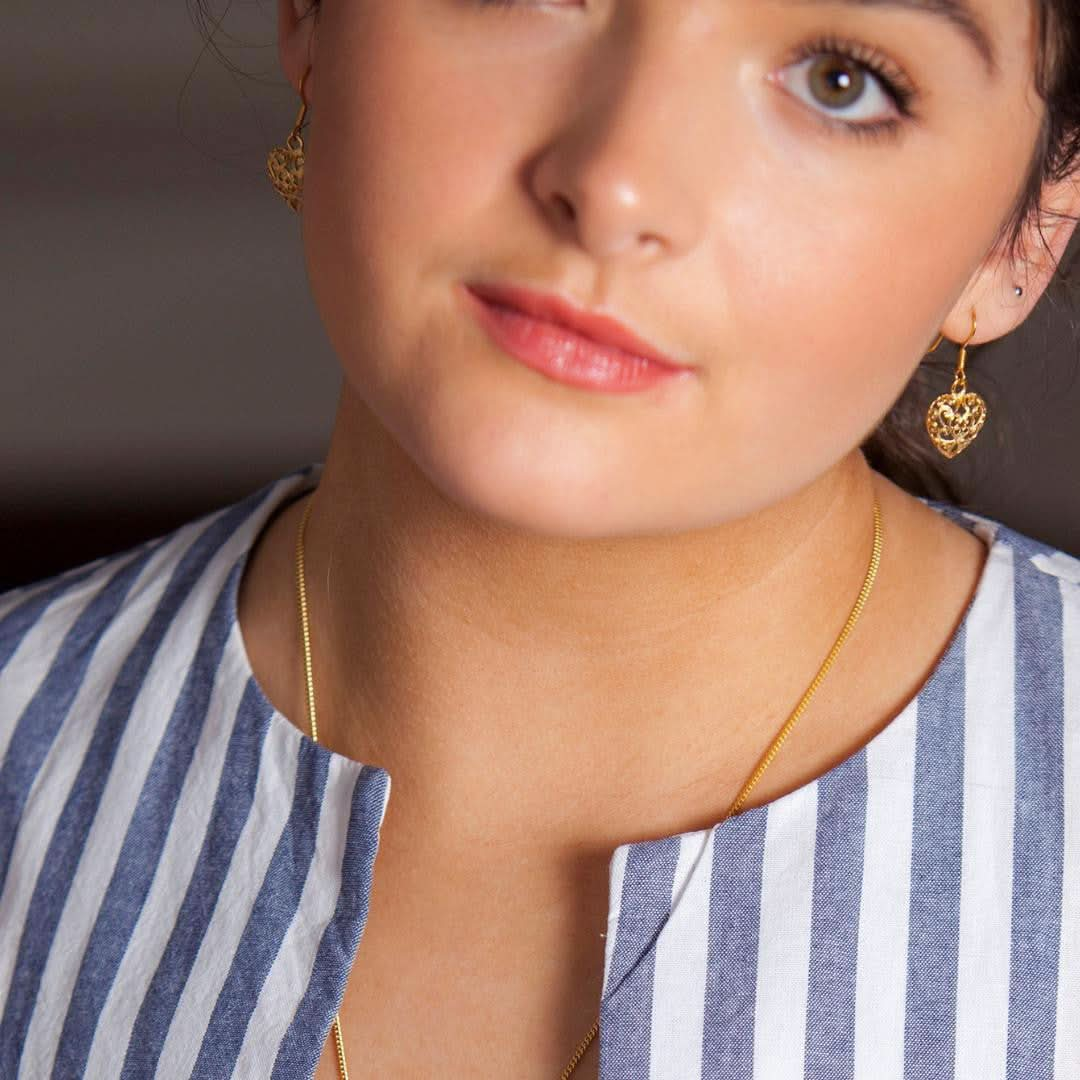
(899, 447)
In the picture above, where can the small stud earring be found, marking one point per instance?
(1018, 290)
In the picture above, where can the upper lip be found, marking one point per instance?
(593, 325)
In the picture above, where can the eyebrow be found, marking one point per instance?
(959, 13)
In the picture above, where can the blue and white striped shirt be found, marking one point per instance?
(184, 874)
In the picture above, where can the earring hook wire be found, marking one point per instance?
(964, 344)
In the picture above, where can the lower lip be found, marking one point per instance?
(567, 357)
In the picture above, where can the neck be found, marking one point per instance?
(466, 656)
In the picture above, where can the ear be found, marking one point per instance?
(992, 290)
(296, 25)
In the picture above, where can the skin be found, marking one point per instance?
(565, 620)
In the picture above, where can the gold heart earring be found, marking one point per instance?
(285, 164)
(956, 418)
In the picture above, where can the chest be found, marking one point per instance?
(445, 1044)
(481, 976)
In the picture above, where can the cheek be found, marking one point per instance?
(412, 150)
(395, 174)
(835, 286)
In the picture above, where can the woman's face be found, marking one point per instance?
(698, 169)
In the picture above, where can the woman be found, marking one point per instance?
(699, 725)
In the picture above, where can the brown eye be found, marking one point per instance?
(843, 88)
(836, 81)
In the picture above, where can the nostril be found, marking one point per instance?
(565, 207)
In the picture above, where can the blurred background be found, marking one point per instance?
(163, 354)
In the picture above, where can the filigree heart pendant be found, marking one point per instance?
(285, 166)
(954, 420)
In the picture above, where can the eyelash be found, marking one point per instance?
(893, 80)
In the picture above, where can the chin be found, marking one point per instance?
(526, 493)
(563, 492)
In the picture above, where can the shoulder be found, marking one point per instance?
(1039, 562)
(104, 631)
(1031, 594)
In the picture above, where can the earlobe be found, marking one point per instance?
(296, 30)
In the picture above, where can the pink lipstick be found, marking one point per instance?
(567, 343)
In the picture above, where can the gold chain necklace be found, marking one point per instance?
(736, 806)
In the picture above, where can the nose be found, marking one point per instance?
(621, 176)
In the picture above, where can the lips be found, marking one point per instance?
(601, 329)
